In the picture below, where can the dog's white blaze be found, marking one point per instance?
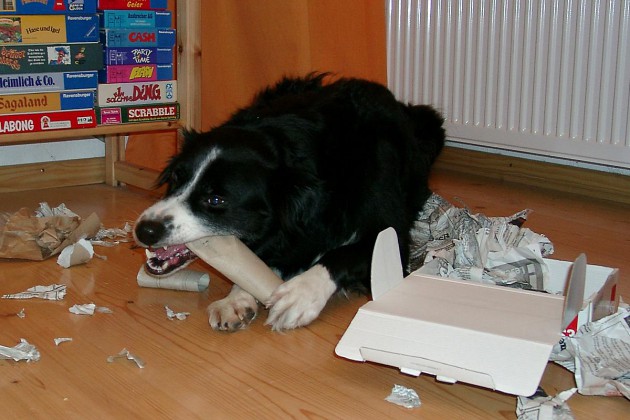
(186, 226)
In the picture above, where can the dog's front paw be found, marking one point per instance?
(234, 312)
(300, 300)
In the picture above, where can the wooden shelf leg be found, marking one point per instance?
(114, 152)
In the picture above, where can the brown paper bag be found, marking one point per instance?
(23, 236)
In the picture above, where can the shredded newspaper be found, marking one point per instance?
(50, 292)
(22, 351)
(126, 354)
(540, 406)
(404, 396)
(451, 242)
(599, 355)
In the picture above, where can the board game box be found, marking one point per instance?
(44, 29)
(50, 58)
(46, 121)
(47, 82)
(137, 93)
(137, 113)
(131, 55)
(116, 19)
(135, 73)
(50, 101)
(138, 37)
(132, 4)
(47, 7)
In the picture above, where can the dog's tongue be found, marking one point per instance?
(163, 261)
(170, 251)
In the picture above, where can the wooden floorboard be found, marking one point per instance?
(194, 372)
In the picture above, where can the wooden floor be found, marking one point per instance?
(194, 372)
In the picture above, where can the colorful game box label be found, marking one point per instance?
(47, 121)
(51, 101)
(138, 37)
(48, 82)
(44, 29)
(137, 93)
(47, 7)
(137, 114)
(135, 73)
(142, 55)
(132, 4)
(117, 19)
(50, 58)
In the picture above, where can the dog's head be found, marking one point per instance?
(228, 181)
(217, 185)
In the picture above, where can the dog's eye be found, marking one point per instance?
(216, 200)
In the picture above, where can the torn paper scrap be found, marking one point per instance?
(89, 309)
(50, 292)
(540, 406)
(176, 315)
(78, 253)
(21, 314)
(403, 396)
(22, 351)
(61, 340)
(112, 236)
(44, 210)
(187, 280)
(124, 353)
(599, 355)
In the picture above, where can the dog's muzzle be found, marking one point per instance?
(163, 260)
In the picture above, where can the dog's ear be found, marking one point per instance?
(191, 137)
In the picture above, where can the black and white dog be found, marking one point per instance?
(306, 176)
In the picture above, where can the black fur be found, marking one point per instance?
(311, 172)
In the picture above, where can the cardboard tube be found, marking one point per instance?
(238, 263)
(188, 280)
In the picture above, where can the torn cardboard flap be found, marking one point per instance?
(487, 335)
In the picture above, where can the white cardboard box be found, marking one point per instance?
(492, 336)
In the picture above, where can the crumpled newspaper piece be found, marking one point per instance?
(77, 253)
(44, 210)
(404, 396)
(540, 406)
(50, 292)
(112, 236)
(126, 354)
(599, 355)
(22, 351)
(89, 309)
(451, 242)
(176, 315)
(60, 340)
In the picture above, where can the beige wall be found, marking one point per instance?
(247, 44)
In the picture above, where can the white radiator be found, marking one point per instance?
(545, 77)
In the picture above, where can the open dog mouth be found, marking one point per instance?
(167, 260)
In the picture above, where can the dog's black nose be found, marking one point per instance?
(149, 232)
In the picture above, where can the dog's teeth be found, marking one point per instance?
(148, 253)
(164, 247)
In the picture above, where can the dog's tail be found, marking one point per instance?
(428, 129)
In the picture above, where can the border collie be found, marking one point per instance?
(306, 176)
